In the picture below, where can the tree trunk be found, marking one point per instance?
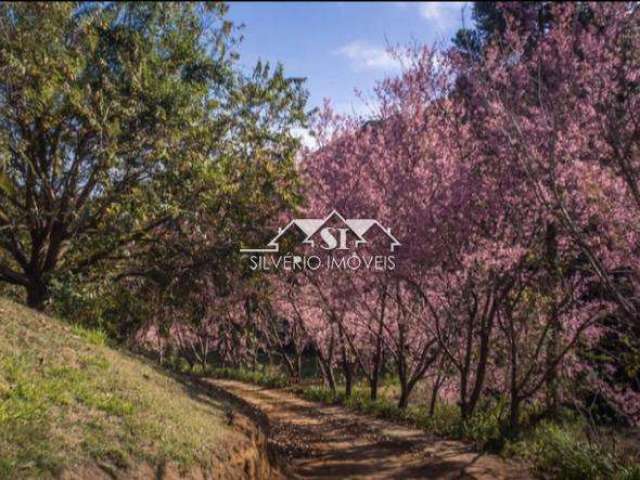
(374, 380)
(482, 366)
(514, 417)
(378, 356)
(327, 374)
(552, 393)
(406, 387)
(551, 258)
(468, 404)
(331, 380)
(373, 384)
(403, 401)
(289, 364)
(514, 400)
(434, 395)
(348, 380)
(347, 371)
(346, 365)
(37, 294)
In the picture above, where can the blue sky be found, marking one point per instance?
(339, 46)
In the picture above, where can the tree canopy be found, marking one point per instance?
(117, 119)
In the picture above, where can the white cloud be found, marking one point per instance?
(364, 56)
(445, 15)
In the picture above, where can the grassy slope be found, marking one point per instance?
(68, 401)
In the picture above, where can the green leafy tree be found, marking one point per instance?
(489, 24)
(117, 121)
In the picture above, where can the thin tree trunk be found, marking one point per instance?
(553, 345)
(331, 379)
(378, 356)
(327, 373)
(373, 384)
(348, 379)
(552, 380)
(434, 395)
(346, 365)
(514, 401)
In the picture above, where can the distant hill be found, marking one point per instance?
(74, 408)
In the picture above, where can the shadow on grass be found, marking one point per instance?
(200, 390)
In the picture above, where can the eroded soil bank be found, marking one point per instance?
(245, 460)
(315, 441)
(248, 455)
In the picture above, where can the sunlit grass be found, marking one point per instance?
(67, 399)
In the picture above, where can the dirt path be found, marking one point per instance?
(329, 442)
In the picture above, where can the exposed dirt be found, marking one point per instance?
(323, 442)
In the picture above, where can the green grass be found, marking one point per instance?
(67, 400)
(559, 450)
(93, 336)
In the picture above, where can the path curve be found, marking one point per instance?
(329, 442)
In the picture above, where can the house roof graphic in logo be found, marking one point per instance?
(310, 226)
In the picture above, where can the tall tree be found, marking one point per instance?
(490, 24)
(109, 115)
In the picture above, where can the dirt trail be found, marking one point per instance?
(329, 442)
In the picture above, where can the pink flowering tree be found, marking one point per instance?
(564, 110)
(488, 270)
(562, 106)
(510, 180)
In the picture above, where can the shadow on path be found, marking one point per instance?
(329, 442)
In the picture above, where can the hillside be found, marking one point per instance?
(72, 407)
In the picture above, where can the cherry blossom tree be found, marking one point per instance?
(510, 179)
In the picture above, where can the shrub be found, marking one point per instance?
(558, 451)
(95, 336)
